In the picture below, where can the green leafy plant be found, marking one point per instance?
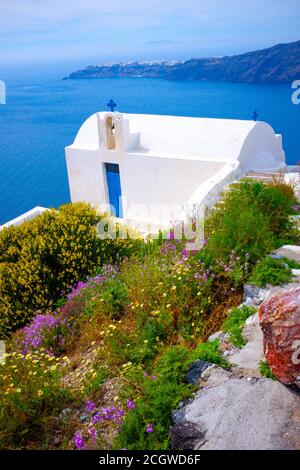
(147, 426)
(116, 297)
(235, 322)
(252, 219)
(291, 263)
(270, 271)
(209, 352)
(266, 371)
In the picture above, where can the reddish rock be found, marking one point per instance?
(279, 319)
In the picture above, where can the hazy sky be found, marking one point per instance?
(96, 31)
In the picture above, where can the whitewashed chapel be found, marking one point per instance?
(149, 169)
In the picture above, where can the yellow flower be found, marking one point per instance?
(18, 390)
(40, 393)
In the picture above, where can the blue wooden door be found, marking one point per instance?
(114, 188)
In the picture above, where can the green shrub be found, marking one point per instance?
(292, 264)
(270, 271)
(116, 297)
(251, 220)
(235, 322)
(160, 394)
(266, 371)
(41, 258)
(209, 352)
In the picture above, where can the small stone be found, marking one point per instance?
(57, 441)
(218, 335)
(296, 272)
(83, 418)
(289, 251)
(195, 371)
(254, 295)
(252, 320)
(65, 413)
(275, 256)
(186, 435)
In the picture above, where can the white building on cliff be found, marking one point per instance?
(152, 169)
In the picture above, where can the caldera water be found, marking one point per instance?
(42, 116)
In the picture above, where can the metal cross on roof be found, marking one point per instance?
(111, 105)
(255, 115)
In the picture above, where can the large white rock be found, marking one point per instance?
(232, 413)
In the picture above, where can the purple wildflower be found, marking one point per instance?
(78, 441)
(149, 428)
(92, 432)
(90, 406)
(33, 335)
(130, 404)
(111, 414)
(153, 377)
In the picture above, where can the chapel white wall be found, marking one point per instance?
(152, 169)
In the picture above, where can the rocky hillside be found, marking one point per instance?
(278, 64)
(212, 418)
(107, 339)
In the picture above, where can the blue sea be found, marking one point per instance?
(43, 115)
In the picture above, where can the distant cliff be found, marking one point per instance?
(278, 64)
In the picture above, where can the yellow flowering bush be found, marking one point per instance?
(42, 258)
(29, 386)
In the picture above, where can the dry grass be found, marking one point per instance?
(219, 313)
